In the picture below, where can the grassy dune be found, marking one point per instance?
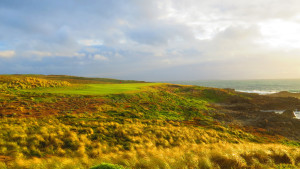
(52, 124)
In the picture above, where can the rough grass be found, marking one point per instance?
(74, 136)
(141, 125)
(70, 79)
(203, 156)
(29, 83)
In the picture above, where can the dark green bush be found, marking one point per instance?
(107, 166)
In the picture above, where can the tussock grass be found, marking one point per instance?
(29, 83)
(57, 143)
(185, 156)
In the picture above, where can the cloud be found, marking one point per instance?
(7, 54)
(90, 42)
(38, 53)
(100, 57)
(159, 33)
(133, 39)
(41, 54)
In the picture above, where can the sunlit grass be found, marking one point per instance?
(137, 125)
(196, 156)
(95, 89)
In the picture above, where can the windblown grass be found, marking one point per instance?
(196, 156)
(80, 141)
(139, 125)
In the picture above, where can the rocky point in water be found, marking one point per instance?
(289, 113)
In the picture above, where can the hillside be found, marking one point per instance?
(74, 122)
(72, 79)
(286, 94)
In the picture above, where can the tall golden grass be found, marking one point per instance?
(54, 143)
(190, 156)
(29, 82)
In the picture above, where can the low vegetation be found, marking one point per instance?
(148, 126)
(30, 83)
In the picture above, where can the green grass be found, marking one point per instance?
(95, 89)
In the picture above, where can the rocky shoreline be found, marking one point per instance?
(246, 110)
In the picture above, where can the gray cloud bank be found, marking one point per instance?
(151, 40)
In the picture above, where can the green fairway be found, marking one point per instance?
(95, 89)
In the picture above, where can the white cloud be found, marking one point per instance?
(100, 57)
(281, 34)
(38, 53)
(90, 42)
(52, 54)
(7, 53)
(79, 54)
(69, 54)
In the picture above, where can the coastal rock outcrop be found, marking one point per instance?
(289, 113)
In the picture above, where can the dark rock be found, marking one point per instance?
(289, 113)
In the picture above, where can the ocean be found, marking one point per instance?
(249, 86)
(252, 86)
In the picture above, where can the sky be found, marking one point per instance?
(152, 40)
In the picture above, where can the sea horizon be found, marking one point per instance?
(260, 86)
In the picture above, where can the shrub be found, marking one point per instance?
(282, 158)
(107, 166)
(227, 162)
(31, 82)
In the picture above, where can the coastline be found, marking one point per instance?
(257, 92)
(262, 86)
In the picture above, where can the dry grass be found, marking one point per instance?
(163, 127)
(49, 143)
(29, 82)
(202, 156)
